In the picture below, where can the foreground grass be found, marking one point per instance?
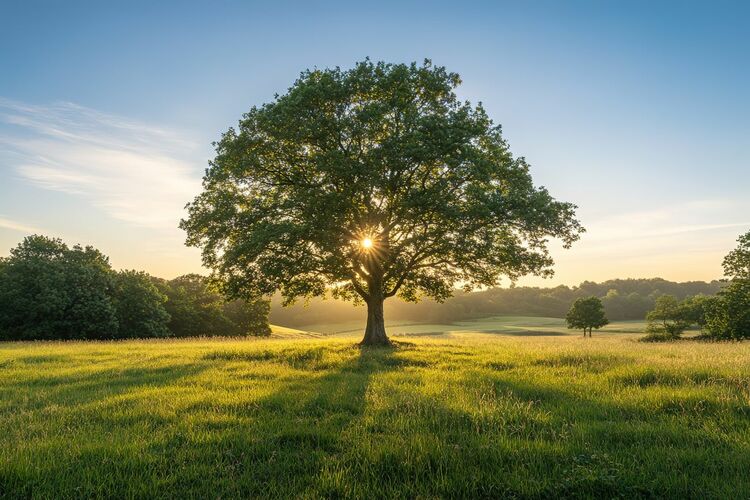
(493, 416)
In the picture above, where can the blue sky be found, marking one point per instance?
(639, 112)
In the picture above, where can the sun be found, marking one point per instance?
(366, 243)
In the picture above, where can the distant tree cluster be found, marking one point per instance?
(622, 299)
(725, 316)
(671, 316)
(197, 309)
(51, 291)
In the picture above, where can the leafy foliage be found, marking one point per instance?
(696, 309)
(140, 306)
(729, 316)
(586, 314)
(737, 262)
(249, 317)
(197, 309)
(380, 152)
(670, 317)
(50, 291)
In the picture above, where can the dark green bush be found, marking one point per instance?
(49, 291)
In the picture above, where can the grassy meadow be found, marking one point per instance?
(503, 325)
(456, 413)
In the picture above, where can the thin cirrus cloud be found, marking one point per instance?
(668, 230)
(679, 241)
(12, 225)
(672, 220)
(132, 171)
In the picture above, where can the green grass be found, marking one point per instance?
(473, 416)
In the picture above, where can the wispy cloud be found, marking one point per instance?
(17, 226)
(133, 171)
(678, 241)
(671, 226)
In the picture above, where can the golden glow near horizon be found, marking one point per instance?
(678, 243)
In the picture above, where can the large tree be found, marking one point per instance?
(369, 183)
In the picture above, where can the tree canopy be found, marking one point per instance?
(729, 315)
(51, 291)
(586, 314)
(369, 183)
(670, 317)
(140, 306)
(197, 309)
(737, 262)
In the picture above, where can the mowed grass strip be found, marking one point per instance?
(503, 416)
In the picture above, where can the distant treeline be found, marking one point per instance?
(50, 291)
(623, 299)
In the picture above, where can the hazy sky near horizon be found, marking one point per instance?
(638, 112)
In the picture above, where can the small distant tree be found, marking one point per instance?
(585, 314)
(669, 318)
(729, 315)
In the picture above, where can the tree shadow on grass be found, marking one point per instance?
(313, 434)
(63, 433)
(522, 438)
(598, 446)
(272, 446)
(81, 388)
(277, 445)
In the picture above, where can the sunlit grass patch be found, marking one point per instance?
(589, 363)
(474, 416)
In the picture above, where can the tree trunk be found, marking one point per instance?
(375, 330)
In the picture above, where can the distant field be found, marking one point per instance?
(289, 333)
(501, 325)
(469, 416)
